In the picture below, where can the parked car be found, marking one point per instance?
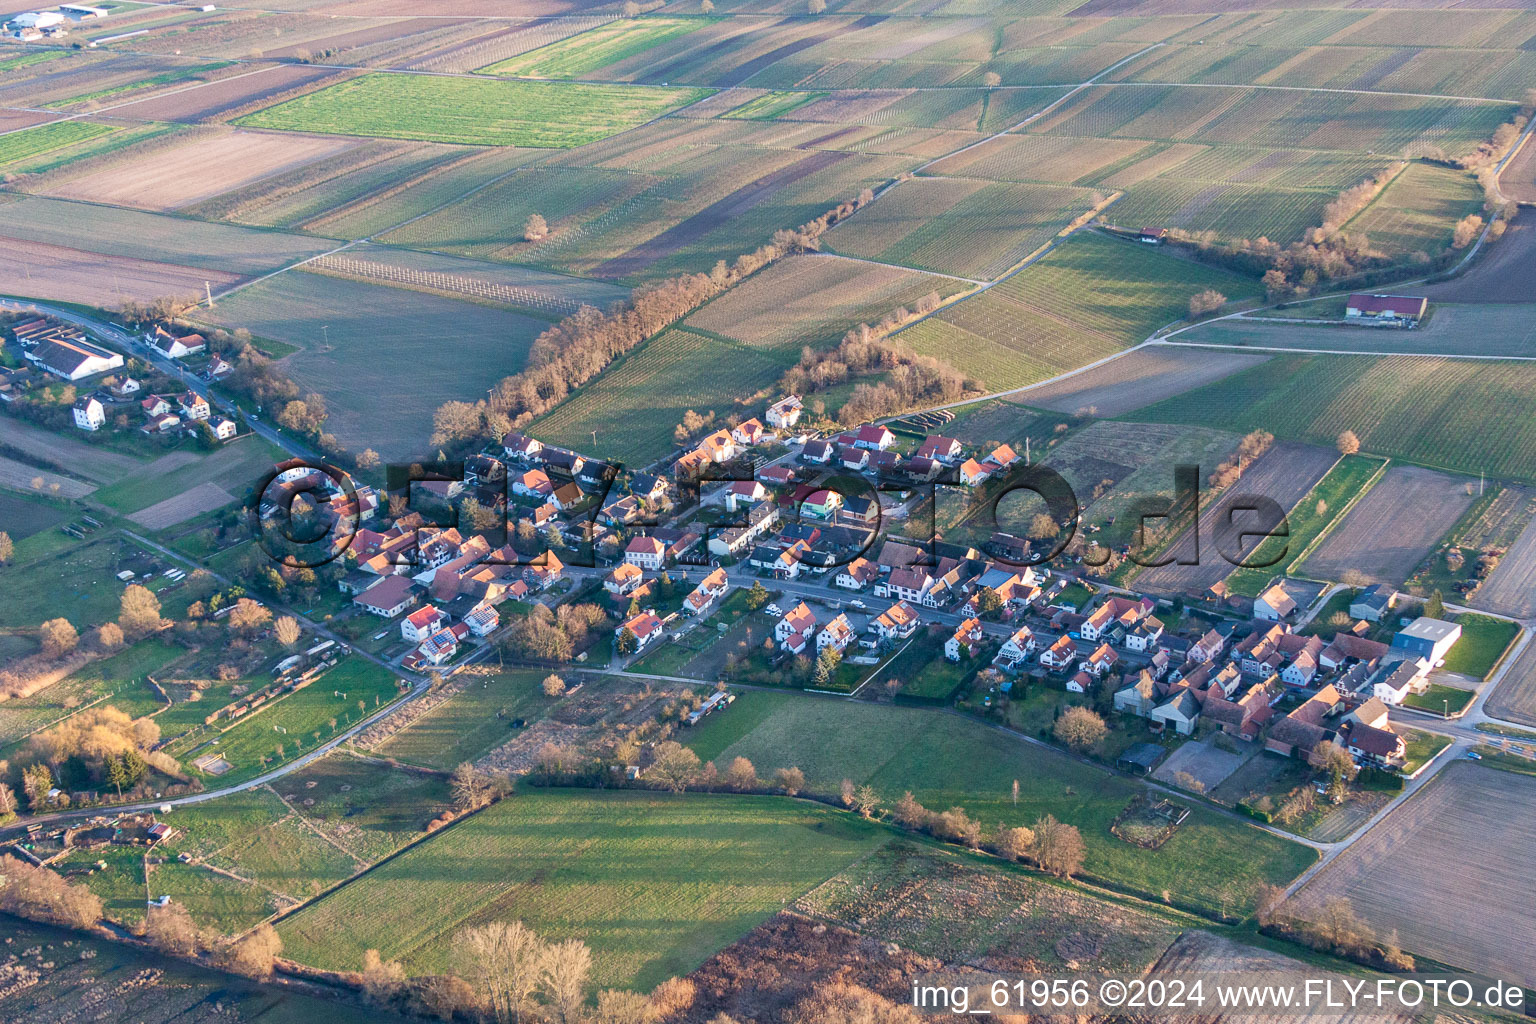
(774, 609)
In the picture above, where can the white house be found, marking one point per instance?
(89, 413)
(857, 574)
(873, 437)
(784, 413)
(836, 634)
(223, 428)
(744, 492)
(533, 484)
(795, 628)
(193, 406)
(421, 623)
(1273, 605)
(897, 622)
(1060, 654)
(706, 593)
(73, 359)
(1016, 650)
(646, 552)
(963, 643)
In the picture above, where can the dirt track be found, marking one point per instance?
(1394, 527)
(1285, 473)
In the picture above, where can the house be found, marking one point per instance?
(1373, 713)
(776, 476)
(193, 406)
(1079, 682)
(563, 461)
(1373, 602)
(897, 622)
(624, 580)
(1274, 604)
(73, 358)
(1208, 647)
(1348, 647)
(748, 433)
(787, 565)
(940, 449)
(1427, 638)
(544, 576)
(709, 590)
(90, 414)
(388, 598)
(1303, 666)
(1011, 549)
(124, 387)
(719, 446)
(784, 413)
(1001, 458)
(441, 646)
(1386, 308)
(1061, 654)
(535, 483)
(483, 621)
(1369, 745)
(965, 640)
(1144, 635)
(646, 552)
(1100, 661)
(857, 574)
(1179, 712)
(1243, 717)
(793, 630)
(155, 405)
(648, 487)
(1016, 650)
(744, 492)
(820, 504)
(689, 465)
(1122, 611)
(223, 428)
(1304, 728)
(645, 626)
(910, 584)
(622, 512)
(853, 458)
(837, 634)
(818, 451)
(973, 473)
(567, 497)
(873, 437)
(1139, 697)
(421, 623)
(172, 347)
(896, 555)
(1153, 236)
(522, 447)
(218, 368)
(1392, 683)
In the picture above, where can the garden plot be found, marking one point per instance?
(1284, 474)
(1476, 917)
(1136, 379)
(1394, 527)
(812, 299)
(198, 170)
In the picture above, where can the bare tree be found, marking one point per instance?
(254, 954)
(382, 979)
(563, 981)
(507, 960)
(535, 228)
(615, 1006)
(286, 629)
(1206, 302)
(553, 685)
(674, 765)
(1080, 728)
(1058, 847)
(140, 614)
(791, 780)
(170, 928)
(740, 775)
(1014, 843)
(469, 787)
(58, 637)
(1348, 443)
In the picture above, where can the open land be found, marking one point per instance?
(1393, 527)
(608, 867)
(1135, 380)
(1511, 588)
(1515, 697)
(1473, 917)
(208, 101)
(1454, 329)
(41, 271)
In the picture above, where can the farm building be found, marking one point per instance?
(388, 598)
(1386, 308)
(1428, 638)
(1141, 758)
(1372, 603)
(1153, 236)
(73, 359)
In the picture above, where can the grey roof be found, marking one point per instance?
(1433, 630)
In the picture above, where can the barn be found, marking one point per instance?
(1386, 308)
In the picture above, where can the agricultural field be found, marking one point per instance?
(232, 470)
(1042, 158)
(812, 299)
(1411, 408)
(37, 270)
(966, 228)
(202, 168)
(358, 341)
(1484, 640)
(591, 51)
(133, 235)
(638, 400)
(1471, 918)
(24, 516)
(1484, 329)
(1210, 863)
(1087, 299)
(1415, 214)
(16, 146)
(209, 102)
(1283, 474)
(1311, 517)
(1137, 379)
(1515, 697)
(472, 112)
(654, 884)
(470, 723)
(1394, 527)
(1511, 588)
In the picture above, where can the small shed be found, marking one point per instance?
(1141, 758)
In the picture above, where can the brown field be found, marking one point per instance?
(1449, 870)
(22, 477)
(1137, 379)
(41, 271)
(1285, 473)
(10, 120)
(1511, 588)
(1388, 534)
(1518, 179)
(79, 458)
(1204, 955)
(814, 298)
(1515, 698)
(227, 93)
(1502, 272)
(202, 169)
(184, 506)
